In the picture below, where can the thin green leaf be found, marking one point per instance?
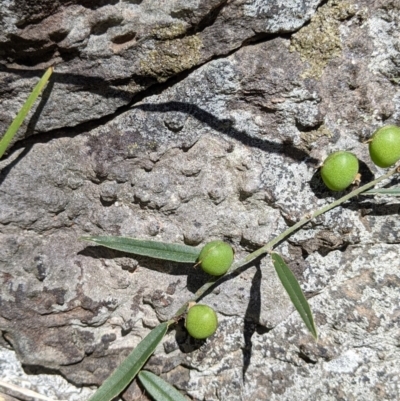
(153, 249)
(130, 367)
(292, 287)
(13, 128)
(158, 388)
(395, 191)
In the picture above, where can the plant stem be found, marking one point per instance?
(199, 293)
(268, 247)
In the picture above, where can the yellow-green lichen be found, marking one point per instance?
(310, 137)
(171, 57)
(171, 31)
(319, 41)
(152, 145)
(132, 149)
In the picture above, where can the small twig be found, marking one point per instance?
(25, 391)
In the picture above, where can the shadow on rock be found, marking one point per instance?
(360, 202)
(195, 276)
(226, 127)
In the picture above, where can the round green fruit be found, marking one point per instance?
(339, 170)
(216, 258)
(384, 147)
(201, 321)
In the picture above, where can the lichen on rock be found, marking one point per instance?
(228, 150)
(319, 41)
(171, 57)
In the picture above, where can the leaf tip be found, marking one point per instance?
(85, 238)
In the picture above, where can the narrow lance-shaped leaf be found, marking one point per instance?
(153, 249)
(12, 130)
(395, 191)
(292, 287)
(158, 388)
(130, 367)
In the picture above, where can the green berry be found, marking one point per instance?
(384, 147)
(216, 258)
(201, 321)
(339, 170)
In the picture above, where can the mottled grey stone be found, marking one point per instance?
(218, 116)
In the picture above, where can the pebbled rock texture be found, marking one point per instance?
(186, 122)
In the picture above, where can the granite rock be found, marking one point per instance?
(108, 54)
(193, 121)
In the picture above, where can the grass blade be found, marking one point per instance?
(158, 388)
(13, 128)
(292, 287)
(153, 249)
(130, 367)
(395, 191)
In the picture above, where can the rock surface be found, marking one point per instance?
(186, 122)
